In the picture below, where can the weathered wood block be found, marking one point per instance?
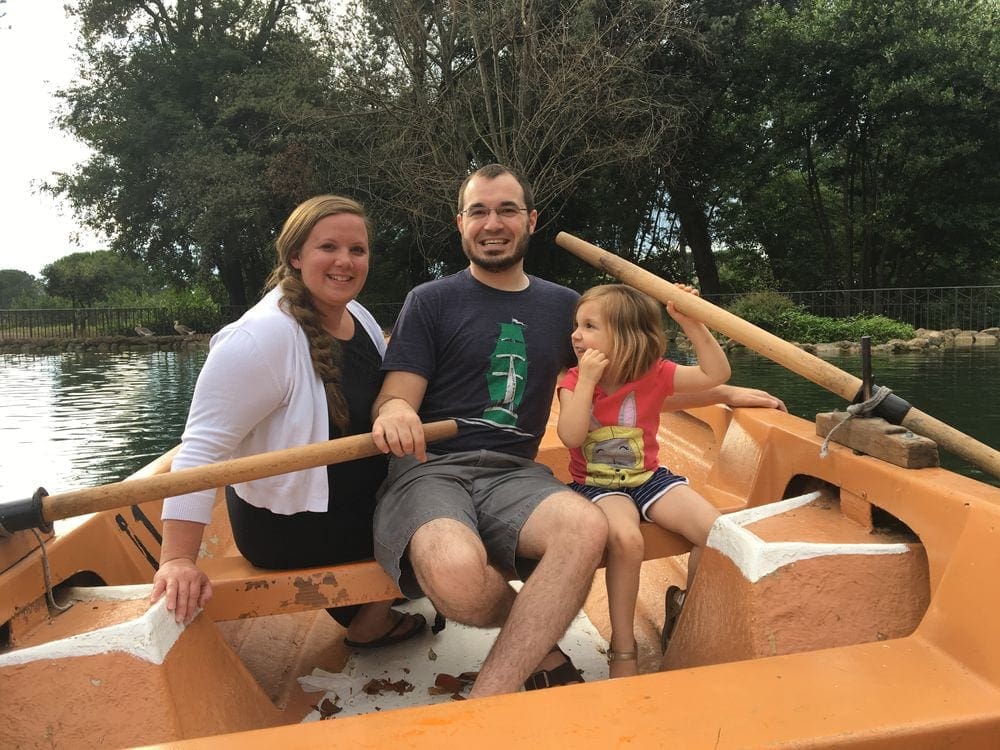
(875, 437)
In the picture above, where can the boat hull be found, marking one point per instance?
(933, 682)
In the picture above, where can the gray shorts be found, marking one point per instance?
(491, 493)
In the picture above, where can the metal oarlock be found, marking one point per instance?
(21, 515)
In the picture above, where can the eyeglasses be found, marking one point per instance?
(480, 213)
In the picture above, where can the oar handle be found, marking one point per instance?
(210, 476)
(788, 355)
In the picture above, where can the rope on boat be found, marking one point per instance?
(864, 409)
(48, 575)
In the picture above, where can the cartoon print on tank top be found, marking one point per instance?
(614, 453)
(505, 377)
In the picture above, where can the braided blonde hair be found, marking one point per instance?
(324, 349)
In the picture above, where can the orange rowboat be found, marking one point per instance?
(843, 602)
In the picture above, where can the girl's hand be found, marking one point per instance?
(592, 365)
(676, 314)
(186, 587)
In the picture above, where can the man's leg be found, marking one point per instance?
(566, 534)
(451, 566)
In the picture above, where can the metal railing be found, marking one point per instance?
(968, 308)
(936, 308)
(98, 322)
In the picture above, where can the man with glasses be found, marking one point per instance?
(485, 347)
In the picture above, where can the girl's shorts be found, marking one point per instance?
(643, 496)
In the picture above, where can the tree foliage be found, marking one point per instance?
(190, 109)
(577, 96)
(16, 287)
(872, 133)
(86, 278)
(806, 143)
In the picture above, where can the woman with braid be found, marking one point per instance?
(301, 366)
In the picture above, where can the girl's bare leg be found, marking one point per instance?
(624, 559)
(685, 512)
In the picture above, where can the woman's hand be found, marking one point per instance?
(186, 587)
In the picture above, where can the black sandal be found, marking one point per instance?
(565, 674)
(673, 601)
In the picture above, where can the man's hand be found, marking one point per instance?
(397, 429)
(754, 397)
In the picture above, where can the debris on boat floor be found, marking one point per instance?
(430, 668)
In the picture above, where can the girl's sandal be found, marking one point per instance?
(624, 656)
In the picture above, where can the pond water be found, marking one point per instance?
(78, 420)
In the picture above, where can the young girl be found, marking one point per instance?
(608, 418)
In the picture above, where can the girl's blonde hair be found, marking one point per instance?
(323, 348)
(635, 326)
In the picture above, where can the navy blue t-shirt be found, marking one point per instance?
(491, 358)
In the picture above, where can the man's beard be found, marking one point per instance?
(497, 263)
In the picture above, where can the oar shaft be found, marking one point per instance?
(954, 441)
(784, 353)
(788, 355)
(210, 476)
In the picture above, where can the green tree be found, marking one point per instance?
(194, 112)
(87, 278)
(16, 286)
(574, 95)
(873, 131)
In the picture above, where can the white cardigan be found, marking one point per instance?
(258, 392)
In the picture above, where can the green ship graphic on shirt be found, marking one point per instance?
(505, 378)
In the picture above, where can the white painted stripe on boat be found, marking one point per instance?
(108, 593)
(149, 638)
(756, 558)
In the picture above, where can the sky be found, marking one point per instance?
(36, 48)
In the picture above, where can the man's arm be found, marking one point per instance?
(396, 426)
(731, 395)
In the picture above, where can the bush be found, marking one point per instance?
(781, 316)
(798, 325)
(764, 309)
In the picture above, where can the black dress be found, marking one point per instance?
(344, 532)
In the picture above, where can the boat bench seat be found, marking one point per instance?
(241, 590)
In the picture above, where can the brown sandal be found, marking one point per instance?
(565, 674)
(673, 602)
(614, 656)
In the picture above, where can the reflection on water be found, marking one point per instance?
(82, 419)
(79, 420)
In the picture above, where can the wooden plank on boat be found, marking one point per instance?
(875, 437)
(240, 590)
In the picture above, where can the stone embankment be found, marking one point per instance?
(924, 340)
(105, 344)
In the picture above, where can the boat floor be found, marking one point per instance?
(289, 653)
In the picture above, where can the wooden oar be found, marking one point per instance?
(42, 509)
(819, 371)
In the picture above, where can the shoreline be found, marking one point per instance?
(924, 340)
